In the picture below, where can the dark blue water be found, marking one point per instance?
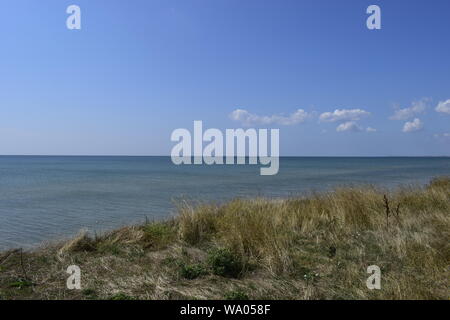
(46, 198)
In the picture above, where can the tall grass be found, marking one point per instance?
(406, 233)
(313, 247)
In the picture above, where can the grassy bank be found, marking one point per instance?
(313, 247)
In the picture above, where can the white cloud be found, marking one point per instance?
(412, 126)
(443, 106)
(348, 126)
(369, 129)
(445, 135)
(343, 115)
(417, 107)
(249, 119)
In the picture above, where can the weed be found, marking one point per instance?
(236, 295)
(192, 271)
(224, 263)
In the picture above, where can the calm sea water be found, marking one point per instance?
(45, 198)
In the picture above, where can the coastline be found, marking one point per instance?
(47, 198)
(314, 247)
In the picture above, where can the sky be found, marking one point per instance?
(137, 70)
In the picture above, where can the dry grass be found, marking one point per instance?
(314, 247)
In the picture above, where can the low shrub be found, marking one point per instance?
(192, 271)
(236, 295)
(224, 263)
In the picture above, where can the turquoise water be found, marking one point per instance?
(46, 198)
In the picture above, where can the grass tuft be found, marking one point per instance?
(236, 295)
(224, 263)
(192, 271)
(158, 235)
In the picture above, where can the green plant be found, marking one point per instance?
(108, 248)
(89, 293)
(21, 283)
(121, 296)
(224, 263)
(236, 295)
(192, 271)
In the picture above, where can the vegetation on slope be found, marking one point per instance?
(313, 247)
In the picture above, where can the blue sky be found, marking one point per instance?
(139, 69)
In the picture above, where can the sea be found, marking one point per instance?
(50, 198)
